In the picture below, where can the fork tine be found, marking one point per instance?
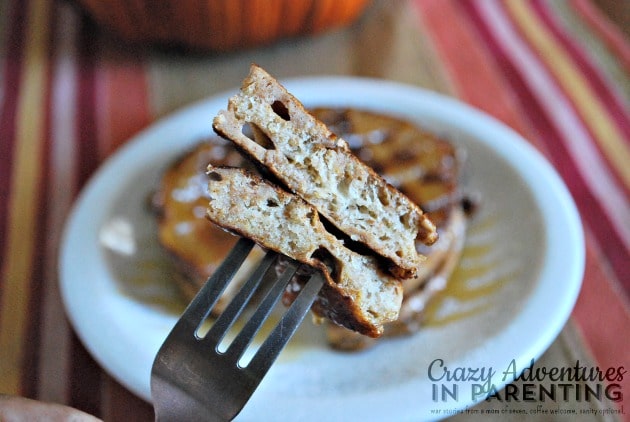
(284, 330)
(200, 307)
(246, 335)
(239, 302)
(191, 377)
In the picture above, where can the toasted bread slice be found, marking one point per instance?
(319, 167)
(364, 297)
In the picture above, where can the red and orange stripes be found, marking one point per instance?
(62, 111)
(24, 197)
(596, 104)
(568, 108)
(610, 34)
(571, 112)
(465, 61)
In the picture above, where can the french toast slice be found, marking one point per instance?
(312, 162)
(365, 298)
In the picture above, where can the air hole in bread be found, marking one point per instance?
(254, 133)
(384, 197)
(214, 176)
(281, 110)
(272, 203)
(343, 185)
(334, 265)
(365, 210)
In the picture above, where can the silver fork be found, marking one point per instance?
(190, 378)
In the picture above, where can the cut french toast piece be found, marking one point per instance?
(318, 166)
(364, 297)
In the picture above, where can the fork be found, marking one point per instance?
(191, 379)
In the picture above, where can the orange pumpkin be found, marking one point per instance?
(220, 25)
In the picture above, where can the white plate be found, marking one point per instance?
(522, 269)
